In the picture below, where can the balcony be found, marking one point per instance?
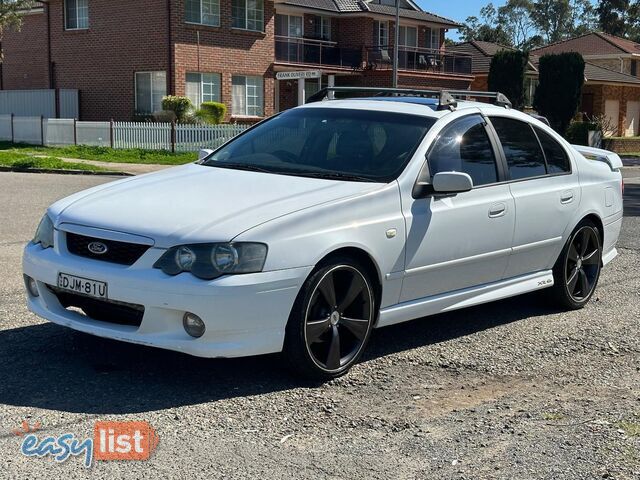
(307, 51)
(418, 59)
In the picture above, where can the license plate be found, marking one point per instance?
(83, 286)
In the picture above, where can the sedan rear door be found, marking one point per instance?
(545, 189)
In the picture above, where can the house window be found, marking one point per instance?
(205, 12)
(289, 26)
(322, 27)
(76, 14)
(381, 33)
(247, 96)
(151, 87)
(634, 68)
(530, 85)
(203, 87)
(433, 38)
(248, 14)
(408, 36)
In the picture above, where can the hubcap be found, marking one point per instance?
(338, 318)
(583, 264)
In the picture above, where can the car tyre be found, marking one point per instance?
(577, 270)
(331, 320)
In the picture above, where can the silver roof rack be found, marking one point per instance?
(446, 98)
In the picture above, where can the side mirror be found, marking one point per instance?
(451, 182)
(204, 153)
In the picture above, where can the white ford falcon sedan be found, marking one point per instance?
(326, 221)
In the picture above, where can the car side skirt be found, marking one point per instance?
(464, 298)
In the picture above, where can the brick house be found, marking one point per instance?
(482, 53)
(124, 56)
(612, 87)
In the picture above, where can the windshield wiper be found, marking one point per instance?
(240, 166)
(337, 176)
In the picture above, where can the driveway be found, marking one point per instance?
(511, 390)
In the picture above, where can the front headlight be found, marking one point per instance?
(212, 260)
(44, 233)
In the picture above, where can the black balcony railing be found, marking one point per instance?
(316, 52)
(310, 51)
(419, 59)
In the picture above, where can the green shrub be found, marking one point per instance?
(506, 75)
(212, 112)
(578, 132)
(178, 105)
(560, 90)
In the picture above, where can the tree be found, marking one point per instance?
(506, 75)
(560, 90)
(11, 13)
(515, 19)
(485, 28)
(619, 17)
(560, 19)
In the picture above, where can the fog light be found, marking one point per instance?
(32, 286)
(193, 325)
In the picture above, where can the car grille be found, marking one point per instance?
(117, 252)
(102, 310)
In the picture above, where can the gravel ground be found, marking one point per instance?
(511, 390)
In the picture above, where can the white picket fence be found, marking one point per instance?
(143, 135)
(194, 137)
(148, 136)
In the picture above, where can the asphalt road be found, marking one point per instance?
(513, 389)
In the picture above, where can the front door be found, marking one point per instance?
(456, 242)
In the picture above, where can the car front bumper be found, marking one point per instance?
(244, 314)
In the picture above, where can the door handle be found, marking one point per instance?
(566, 197)
(497, 210)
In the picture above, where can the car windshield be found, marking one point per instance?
(332, 143)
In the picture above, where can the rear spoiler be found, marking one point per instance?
(610, 158)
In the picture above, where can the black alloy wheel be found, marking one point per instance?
(577, 270)
(332, 320)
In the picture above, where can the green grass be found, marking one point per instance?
(552, 416)
(632, 429)
(25, 162)
(104, 154)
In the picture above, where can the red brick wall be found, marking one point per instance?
(601, 93)
(123, 37)
(25, 55)
(226, 51)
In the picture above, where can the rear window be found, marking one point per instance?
(521, 148)
(557, 158)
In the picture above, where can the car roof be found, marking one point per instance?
(427, 107)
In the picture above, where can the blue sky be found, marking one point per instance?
(456, 9)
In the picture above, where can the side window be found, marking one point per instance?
(557, 158)
(521, 147)
(464, 146)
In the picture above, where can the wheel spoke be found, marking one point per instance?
(584, 283)
(352, 293)
(573, 253)
(356, 326)
(591, 258)
(572, 281)
(584, 241)
(333, 357)
(328, 290)
(316, 328)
